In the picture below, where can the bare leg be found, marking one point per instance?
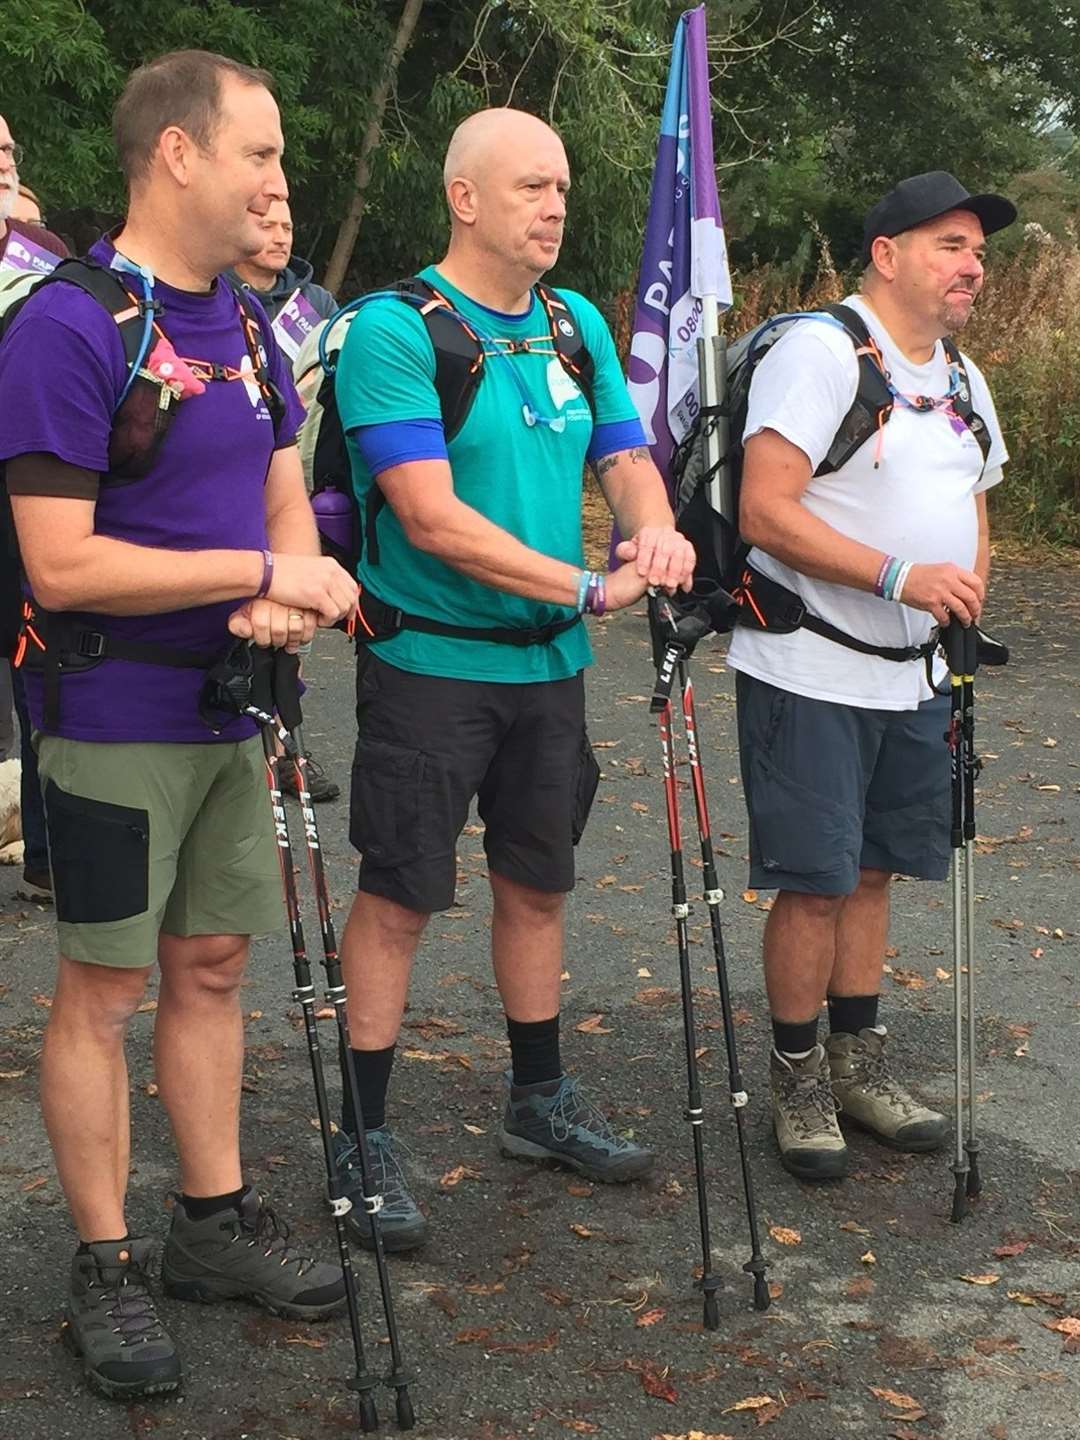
(527, 948)
(377, 950)
(199, 1055)
(800, 951)
(861, 933)
(84, 1091)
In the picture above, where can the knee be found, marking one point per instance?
(526, 905)
(213, 968)
(397, 923)
(874, 881)
(100, 997)
(813, 909)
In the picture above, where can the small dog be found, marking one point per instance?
(11, 845)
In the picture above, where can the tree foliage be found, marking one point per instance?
(819, 106)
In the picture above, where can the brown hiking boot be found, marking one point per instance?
(868, 1095)
(804, 1117)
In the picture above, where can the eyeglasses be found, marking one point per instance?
(13, 154)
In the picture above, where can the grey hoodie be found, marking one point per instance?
(296, 276)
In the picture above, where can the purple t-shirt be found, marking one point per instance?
(62, 368)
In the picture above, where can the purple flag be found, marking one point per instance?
(684, 258)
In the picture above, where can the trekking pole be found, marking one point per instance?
(675, 637)
(960, 645)
(287, 704)
(713, 895)
(243, 683)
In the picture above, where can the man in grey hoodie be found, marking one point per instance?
(275, 274)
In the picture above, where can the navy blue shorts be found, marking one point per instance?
(831, 789)
(429, 745)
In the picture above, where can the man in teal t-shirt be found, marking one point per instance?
(481, 532)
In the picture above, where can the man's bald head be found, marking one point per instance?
(481, 140)
(507, 178)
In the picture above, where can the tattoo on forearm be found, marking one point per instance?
(608, 462)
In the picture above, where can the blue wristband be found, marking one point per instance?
(584, 581)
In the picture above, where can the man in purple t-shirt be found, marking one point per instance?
(159, 830)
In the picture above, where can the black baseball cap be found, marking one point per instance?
(925, 197)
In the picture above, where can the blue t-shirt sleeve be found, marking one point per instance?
(615, 436)
(384, 446)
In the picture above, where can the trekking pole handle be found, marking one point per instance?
(960, 644)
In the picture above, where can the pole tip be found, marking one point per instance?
(762, 1298)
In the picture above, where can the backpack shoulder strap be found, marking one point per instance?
(873, 403)
(568, 342)
(255, 340)
(108, 289)
(459, 353)
(962, 403)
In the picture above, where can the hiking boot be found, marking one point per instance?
(319, 787)
(804, 1117)
(247, 1256)
(552, 1121)
(401, 1221)
(111, 1324)
(867, 1094)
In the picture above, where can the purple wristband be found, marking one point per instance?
(267, 575)
(596, 595)
(879, 583)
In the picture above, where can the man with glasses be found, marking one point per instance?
(11, 156)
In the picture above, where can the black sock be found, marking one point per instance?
(201, 1207)
(372, 1077)
(534, 1050)
(84, 1245)
(794, 1038)
(848, 1014)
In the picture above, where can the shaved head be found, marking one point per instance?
(481, 139)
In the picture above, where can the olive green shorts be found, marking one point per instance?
(147, 838)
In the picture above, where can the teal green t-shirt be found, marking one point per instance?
(525, 479)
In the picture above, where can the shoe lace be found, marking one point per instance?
(272, 1233)
(873, 1075)
(132, 1306)
(809, 1102)
(387, 1170)
(572, 1111)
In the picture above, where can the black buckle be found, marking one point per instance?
(539, 635)
(90, 645)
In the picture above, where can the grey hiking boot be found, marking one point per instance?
(553, 1121)
(804, 1117)
(868, 1095)
(111, 1324)
(247, 1256)
(403, 1224)
(320, 786)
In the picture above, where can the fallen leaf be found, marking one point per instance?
(473, 1337)
(995, 1344)
(580, 1189)
(12, 1074)
(860, 1287)
(639, 806)
(656, 1384)
(35, 1184)
(910, 979)
(325, 1012)
(45, 1001)
(1049, 1298)
(896, 1398)
(979, 1279)
(940, 974)
(783, 1236)
(853, 1228)
(695, 1434)
(750, 896)
(649, 1317)
(592, 1026)
(150, 1088)
(644, 973)
(478, 1288)
(456, 1175)
(1067, 1325)
(583, 1231)
(146, 1008)
(580, 1427)
(1006, 1252)
(474, 1129)
(656, 995)
(776, 1289)
(869, 1258)
(311, 1341)
(752, 1402)
(524, 1347)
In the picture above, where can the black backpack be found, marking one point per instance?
(56, 641)
(739, 594)
(460, 362)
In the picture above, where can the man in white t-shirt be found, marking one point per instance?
(845, 768)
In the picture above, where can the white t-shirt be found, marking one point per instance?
(918, 504)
